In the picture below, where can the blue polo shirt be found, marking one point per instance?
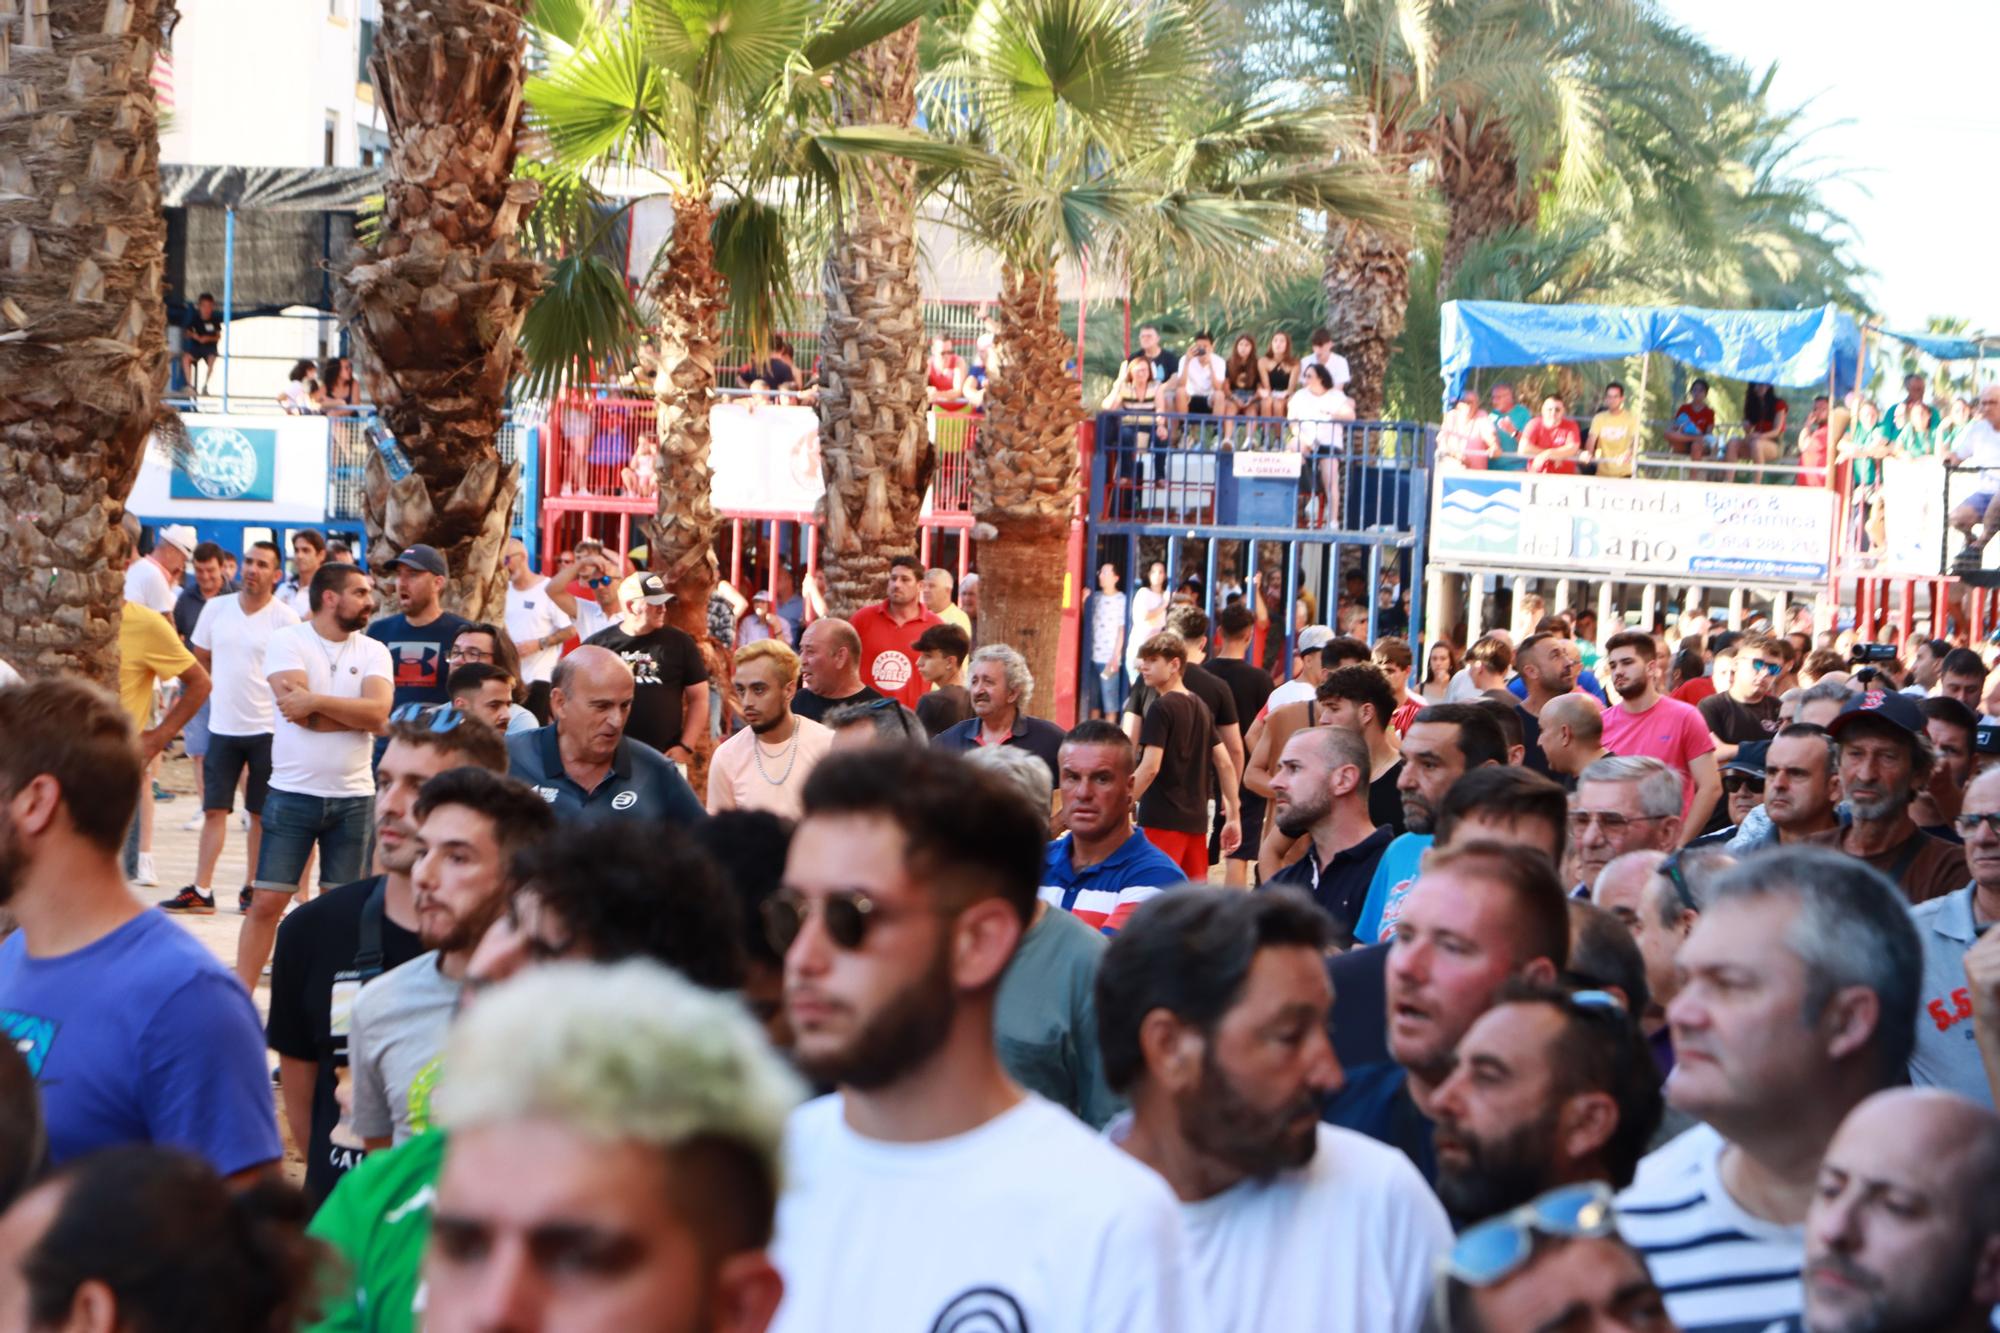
(1038, 737)
(643, 784)
(1103, 895)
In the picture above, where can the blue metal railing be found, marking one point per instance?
(348, 448)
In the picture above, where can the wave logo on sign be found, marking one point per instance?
(227, 463)
(1480, 517)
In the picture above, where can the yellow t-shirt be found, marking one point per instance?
(953, 615)
(1616, 437)
(148, 650)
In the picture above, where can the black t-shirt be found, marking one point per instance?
(1248, 686)
(944, 708)
(187, 610)
(664, 663)
(316, 949)
(206, 328)
(1385, 803)
(1180, 726)
(1203, 684)
(416, 655)
(816, 706)
(1735, 723)
(1531, 741)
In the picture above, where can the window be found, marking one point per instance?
(332, 137)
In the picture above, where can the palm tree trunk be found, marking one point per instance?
(435, 308)
(1367, 284)
(1024, 477)
(875, 451)
(82, 319)
(1480, 180)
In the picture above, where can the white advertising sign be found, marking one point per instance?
(1269, 465)
(244, 469)
(1915, 507)
(1625, 527)
(765, 458)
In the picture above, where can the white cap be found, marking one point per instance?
(1314, 637)
(179, 536)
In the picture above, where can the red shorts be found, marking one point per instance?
(1189, 851)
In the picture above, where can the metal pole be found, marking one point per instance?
(228, 295)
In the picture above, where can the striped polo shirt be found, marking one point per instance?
(1720, 1269)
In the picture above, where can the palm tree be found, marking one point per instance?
(437, 302)
(1098, 131)
(82, 319)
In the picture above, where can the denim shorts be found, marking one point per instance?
(194, 736)
(340, 825)
(227, 757)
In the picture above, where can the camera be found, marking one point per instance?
(1872, 652)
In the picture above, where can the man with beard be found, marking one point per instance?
(132, 1029)
(331, 947)
(1102, 868)
(1903, 1235)
(765, 765)
(1213, 1007)
(1885, 758)
(1548, 664)
(470, 823)
(417, 637)
(1798, 1000)
(1483, 914)
(1444, 743)
(1644, 722)
(1952, 728)
(928, 1191)
(1547, 1088)
(331, 685)
(1320, 793)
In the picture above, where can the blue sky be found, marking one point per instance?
(1906, 101)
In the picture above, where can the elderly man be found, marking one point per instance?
(937, 600)
(830, 665)
(1626, 803)
(583, 763)
(1571, 737)
(1778, 1033)
(1001, 686)
(154, 580)
(670, 681)
(1885, 759)
(1904, 1228)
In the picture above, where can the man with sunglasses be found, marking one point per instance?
(332, 946)
(1213, 1006)
(1743, 782)
(1799, 998)
(586, 588)
(1947, 1053)
(1548, 1087)
(1748, 711)
(1555, 1263)
(928, 1191)
(470, 824)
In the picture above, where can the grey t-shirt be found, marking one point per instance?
(1046, 1022)
(396, 1036)
(1946, 1055)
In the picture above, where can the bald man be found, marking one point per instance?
(1572, 736)
(1903, 1232)
(829, 669)
(585, 766)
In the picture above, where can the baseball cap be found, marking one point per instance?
(1749, 758)
(179, 536)
(1314, 637)
(650, 588)
(1898, 710)
(425, 558)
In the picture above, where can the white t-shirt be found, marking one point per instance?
(1261, 1256)
(1335, 363)
(1717, 1266)
(300, 599)
(533, 614)
(1310, 410)
(590, 617)
(1028, 1222)
(146, 583)
(241, 703)
(329, 764)
(1979, 444)
(1293, 691)
(1200, 375)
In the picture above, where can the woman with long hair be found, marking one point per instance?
(1440, 666)
(1280, 365)
(1315, 412)
(1764, 416)
(1245, 388)
(1149, 613)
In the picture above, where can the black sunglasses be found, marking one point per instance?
(846, 916)
(1735, 782)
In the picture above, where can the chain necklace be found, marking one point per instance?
(334, 658)
(791, 757)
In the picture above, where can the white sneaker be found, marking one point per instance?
(192, 824)
(147, 876)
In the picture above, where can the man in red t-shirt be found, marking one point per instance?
(889, 633)
(1646, 722)
(1693, 430)
(1552, 441)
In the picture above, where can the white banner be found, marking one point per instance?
(765, 458)
(1915, 510)
(245, 469)
(1625, 527)
(1266, 465)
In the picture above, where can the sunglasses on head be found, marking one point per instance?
(441, 717)
(846, 916)
(1494, 1250)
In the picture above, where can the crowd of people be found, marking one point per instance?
(1553, 984)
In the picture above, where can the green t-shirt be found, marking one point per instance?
(1914, 434)
(1509, 425)
(1865, 470)
(378, 1221)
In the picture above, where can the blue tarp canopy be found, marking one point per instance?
(1786, 347)
(1940, 346)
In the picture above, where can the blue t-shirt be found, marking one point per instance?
(1394, 876)
(1104, 895)
(416, 652)
(142, 1037)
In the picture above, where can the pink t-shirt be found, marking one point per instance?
(1670, 731)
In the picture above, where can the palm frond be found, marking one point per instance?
(754, 258)
(583, 320)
